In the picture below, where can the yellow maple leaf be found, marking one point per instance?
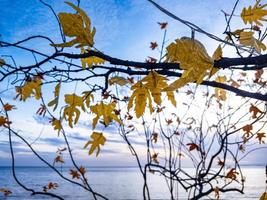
(57, 125)
(140, 96)
(87, 97)
(193, 58)
(90, 61)
(118, 80)
(29, 89)
(151, 85)
(72, 110)
(247, 39)
(54, 102)
(78, 26)
(155, 82)
(220, 94)
(105, 110)
(254, 14)
(97, 140)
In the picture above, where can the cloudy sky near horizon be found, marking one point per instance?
(124, 30)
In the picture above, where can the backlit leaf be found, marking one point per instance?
(54, 102)
(106, 111)
(140, 96)
(193, 58)
(29, 89)
(220, 94)
(247, 39)
(97, 140)
(78, 26)
(254, 14)
(118, 80)
(71, 112)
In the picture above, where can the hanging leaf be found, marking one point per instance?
(87, 97)
(153, 45)
(260, 137)
(254, 14)
(29, 89)
(78, 26)
(75, 174)
(59, 159)
(140, 96)
(220, 94)
(4, 122)
(232, 174)
(247, 39)
(71, 111)
(162, 25)
(57, 125)
(118, 80)
(254, 110)
(97, 140)
(193, 58)
(105, 110)
(193, 146)
(8, 107)
(54, 102)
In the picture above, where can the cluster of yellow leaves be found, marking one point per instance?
(151, 85)
(220, 94)
(54, 102)
(76, 25)
(254, 14)
(71, 111)
(90, 61)
(97, 140)
(30, 88)
(193, 58)
(105, 110)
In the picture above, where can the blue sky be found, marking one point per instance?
(125, 29)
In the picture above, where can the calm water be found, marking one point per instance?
(114, 183)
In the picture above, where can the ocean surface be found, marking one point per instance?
(114, 183)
